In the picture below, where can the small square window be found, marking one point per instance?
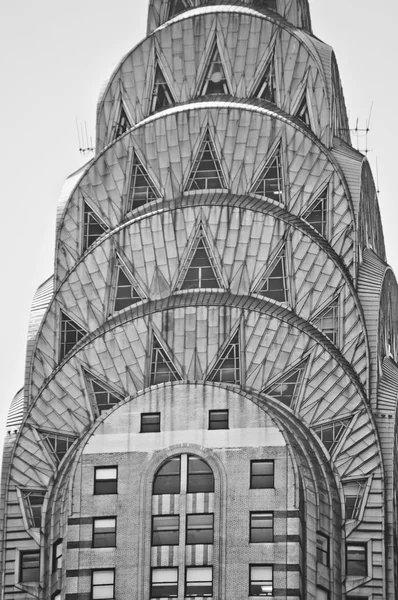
(200, 529)
(261, 527)
(105, 480)
(322, 549)
(165, 530)
(356, 560)
(261, 580)
(150, 422)
(199, 581)
(164, 583)
(57, 555)
(29, 567)
(104, 532)
(218, 419)
(103, 584)
(261, 474)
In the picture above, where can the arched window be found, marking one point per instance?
(167, 478)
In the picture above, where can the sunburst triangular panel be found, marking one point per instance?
(161, 94)
(227, 367)
(200, 270)
(331, 433)
(317, 214)
(328, 321)
(126, 294)
(270, 183)
(287, 388)
(71, 333)
(58, 444)
(215, 81)
(266, 88)
(206, 172)
(162, 367)
(93, 228)
(33, 500)
(104, 398)
(302, 112)
(274, 285)
(177, 7)
(123, 123)
(142, 189)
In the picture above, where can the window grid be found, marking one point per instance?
(165, 530)
(269, 184)
(227, 368)
(92, 227)
(331, 433)
(218, 419)
(162, 368)
(266, 89)
(141, 188)
(34, 503)
(275, 284)
(103, 584)
(200, 529)
(261, 474)
(261, 580)
(356, 555)
(201, 269)
(29, 567)
(104, 532)
(71, 334)
(164, 582)
(105, 480)
(261, 527)
(328, 321)
(198, 581)
(126, 295)
(57, 555)
(150, 422)
(161, 95)
(215, 80)
(322, 549)
(206, 171)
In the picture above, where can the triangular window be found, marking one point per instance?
(177, 7)
(302, 112)
(331, 433)
(275, 283)
(287, 388)
(328, 321)
(162, 367)
(33, 506)
(353, 494)
(126, 294)
(123, 123)
(269, 183)
(104, 398)
(142, 189)
(161, 94)
(227, 368)
(71, 333)
(215, 81)
(58, 445)
(206, 171)
(92, 226)
(200, 271)
(266, 88)
(317, 215)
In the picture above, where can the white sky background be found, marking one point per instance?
(54, 59)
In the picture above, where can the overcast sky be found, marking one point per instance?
(54, 59)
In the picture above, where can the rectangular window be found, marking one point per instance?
(29, 567)
(150, 422)
(200, 529)
(103, 584)
(165, 530)
(164, 583)
(200, 476)
(322, 549)
(104, 532)
(57, 555)
(261, 474)
(261, 580)
(105, 480)
(199, 581)
(218, 419)
(356, 560)
(261, 527)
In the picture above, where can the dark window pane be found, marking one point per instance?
(261, 527)
(199, 581)
(262, 474)
(30, 567)
(105, 480)
(164, 583)
(167, 479)
(218, 419)
(261, 580)
(356, 560)
(150, 422)
(200, 529)
(200, 476)
(165, 530)
(104, 533)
